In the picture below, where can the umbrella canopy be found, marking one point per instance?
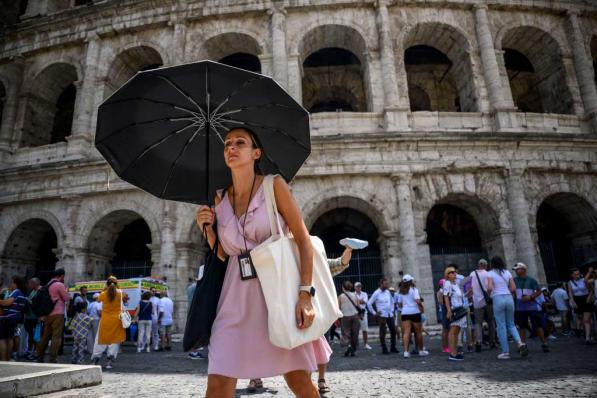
(163, 131)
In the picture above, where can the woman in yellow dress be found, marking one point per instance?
(110, 333)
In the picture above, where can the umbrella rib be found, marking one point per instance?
(251, 124)
(155, 144)
(181, 91)
(235, 91)
(214, 123)
(149, 100)
(133, 125)
(182, 151)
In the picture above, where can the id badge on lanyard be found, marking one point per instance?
(247, 270)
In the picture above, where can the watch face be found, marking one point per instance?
(312, 291)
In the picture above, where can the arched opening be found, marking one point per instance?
(567, 232)
(29, 250)
(243, 60)
(535, 70)
(437, 61)
(523, 81)
(50, 106)
(118, 246)
(63, 119)
(418, 98)
(234, 49)
(365, 265)
(333, 70)
(128, 63)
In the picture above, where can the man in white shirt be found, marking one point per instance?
(560, 301)
(384, 304)
(155, 304)
(482, 310)
(94, 310)
(363, 297)
(166, 308)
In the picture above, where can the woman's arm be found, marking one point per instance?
(512, 286)
(290, 212)
(205, 217)
(489, 285)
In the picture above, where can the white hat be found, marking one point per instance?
(520, 266)
(407, 278)
(95, 295)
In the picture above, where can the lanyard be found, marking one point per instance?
(248, 204)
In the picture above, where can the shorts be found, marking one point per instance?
(416, 318)
(7, 328)
(581, 305)
(521, 319)
(364, 323)
(461, 323)
(165, 329)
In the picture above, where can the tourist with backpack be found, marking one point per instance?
(55, 296)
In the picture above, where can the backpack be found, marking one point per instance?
(42, 303)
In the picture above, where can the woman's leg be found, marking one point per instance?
(406, 326)
(299, 382)
(453, 339)
(418, 335)
(220, 386)
(586, 316)
(510, 325)
(499, 313)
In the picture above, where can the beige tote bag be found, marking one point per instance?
(277, 263)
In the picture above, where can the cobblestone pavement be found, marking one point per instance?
(569, 370)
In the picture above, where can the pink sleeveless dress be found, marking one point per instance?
(239, 346)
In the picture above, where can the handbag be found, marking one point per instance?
(204, 305)
(359, 309)
(486, 296)
(458, 313)
(125, 317)
(37, 332)
(276, 262)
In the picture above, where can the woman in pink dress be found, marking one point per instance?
(239, 346)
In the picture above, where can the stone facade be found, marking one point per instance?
(475, 127)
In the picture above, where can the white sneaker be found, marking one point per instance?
(368, 347)
(138, 350)
(504, 355)
(423, 353)
(148, 349)
(406, 354)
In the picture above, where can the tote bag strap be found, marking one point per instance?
(272, 208)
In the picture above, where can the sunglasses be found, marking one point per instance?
(451, 272)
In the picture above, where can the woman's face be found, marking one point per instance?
(238, 149)
(452, 276)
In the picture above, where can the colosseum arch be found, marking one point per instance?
(127, 63)
(535, 71)
(461, 229)
(29, 249)
(347, 216)
(566, 226)
(117, 244)
(49, 106)
(438, 66)
(335, 70)
(233, 48)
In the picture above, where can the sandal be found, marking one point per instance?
(252, 387)
(323, 388)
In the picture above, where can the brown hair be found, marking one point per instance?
(112, 283)
(404, 287)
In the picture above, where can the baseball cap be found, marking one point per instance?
(520, 266)
(407, 278)
(95, 295)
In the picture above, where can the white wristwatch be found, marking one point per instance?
(307, 288)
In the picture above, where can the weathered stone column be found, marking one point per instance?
(179, 38)
(519, 213)
(584, 69)
(81, 136)
(501, 107)
(408, 245)
(389, 244)
(395, 117)
(295, 77)
(9, 113)
(279, 52)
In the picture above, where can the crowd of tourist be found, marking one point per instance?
(36, 319)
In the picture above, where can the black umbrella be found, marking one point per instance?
(163, 131)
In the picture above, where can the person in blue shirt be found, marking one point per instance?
(13, 308)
